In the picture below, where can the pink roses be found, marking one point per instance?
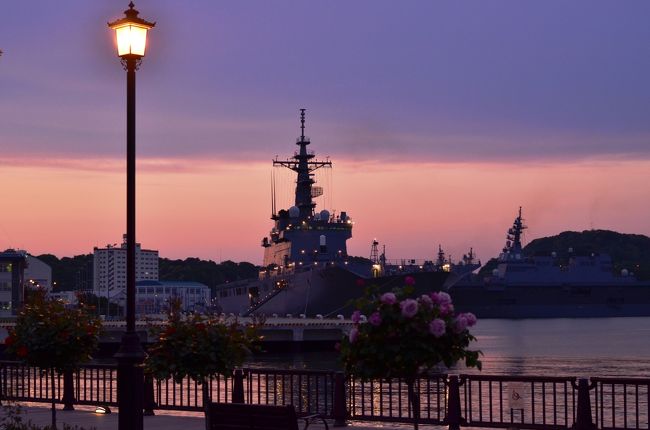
(437, 327)
(388, 298)
(409, 308)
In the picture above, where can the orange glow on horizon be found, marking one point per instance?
(221, 211)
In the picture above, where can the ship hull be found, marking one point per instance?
(327, 291)
(552, 301)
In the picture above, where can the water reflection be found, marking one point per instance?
(558, 347)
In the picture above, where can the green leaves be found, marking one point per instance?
(199, 346)
(50, 335)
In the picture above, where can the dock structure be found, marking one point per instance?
(287, 329)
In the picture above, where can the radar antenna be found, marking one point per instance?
(304, 166)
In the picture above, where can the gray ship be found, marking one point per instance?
(307, 269)
(550, 287)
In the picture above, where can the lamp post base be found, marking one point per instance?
(130, 382)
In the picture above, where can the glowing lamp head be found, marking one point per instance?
(131, 33)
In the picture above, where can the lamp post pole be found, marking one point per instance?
(130, 376)
(130, 65)
(131, 33)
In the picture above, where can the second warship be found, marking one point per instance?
(548, 286)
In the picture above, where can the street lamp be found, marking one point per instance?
(131, 36)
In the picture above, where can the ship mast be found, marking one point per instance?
(374, 252)
(304, 166)
(441, 257)
(513, 248)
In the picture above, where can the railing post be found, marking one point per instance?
(583, 418)
(3, 377)
(453, 418)
(149, 401)
(68, 391)
(238, 387)
(339, 402)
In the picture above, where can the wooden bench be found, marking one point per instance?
(241, 416)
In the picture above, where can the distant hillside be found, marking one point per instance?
(628, 251)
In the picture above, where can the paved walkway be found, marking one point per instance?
(84, 416)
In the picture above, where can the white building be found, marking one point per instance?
(152, 297)
(109, 274)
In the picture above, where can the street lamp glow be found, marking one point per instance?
(131, 33)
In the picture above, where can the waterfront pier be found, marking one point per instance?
(287, 329)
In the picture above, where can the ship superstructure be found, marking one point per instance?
(302, 235)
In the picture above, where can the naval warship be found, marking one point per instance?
(549, 286)
(307, 270)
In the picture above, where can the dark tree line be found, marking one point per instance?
(76, 273)
(70, 273)
(205, 271)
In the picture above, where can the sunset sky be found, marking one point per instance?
(441, 118)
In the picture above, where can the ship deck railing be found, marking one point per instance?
(408, 262)
(465, 400)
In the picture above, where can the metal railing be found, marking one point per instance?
(93, 385)
(387, 400)
(311, 392)
(488, 401)
(25, 383)
(621, 402)
(520, 401)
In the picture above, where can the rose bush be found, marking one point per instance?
(199, 346)
(406, 336)
(52, 336)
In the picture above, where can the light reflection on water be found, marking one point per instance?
(558, 347)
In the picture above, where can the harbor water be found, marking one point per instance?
(559, 347)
